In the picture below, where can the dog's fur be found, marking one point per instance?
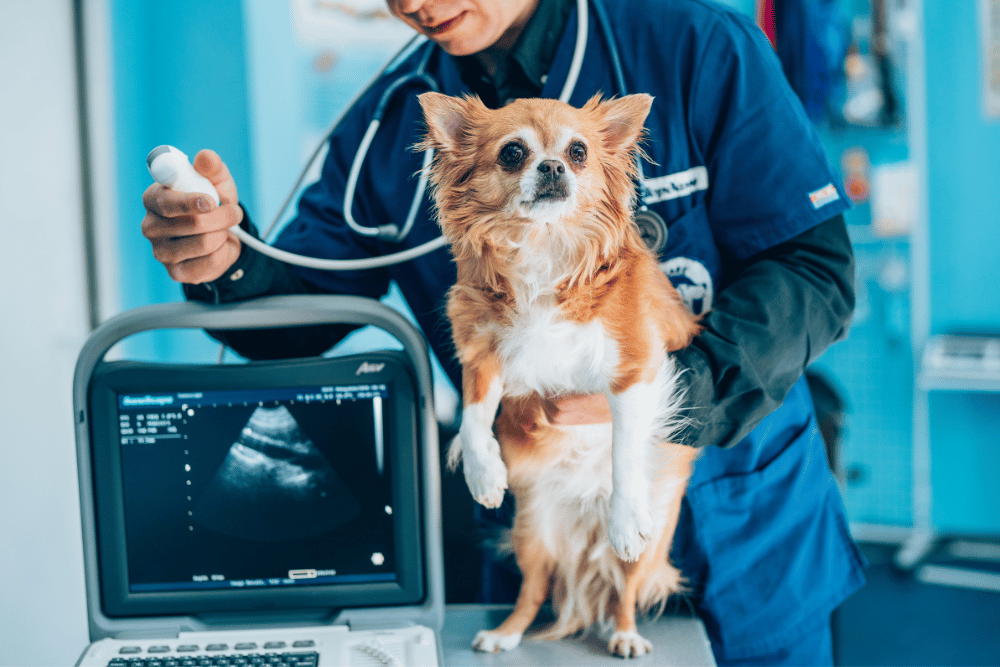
(556, 294)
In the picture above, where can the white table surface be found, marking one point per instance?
(677, 640)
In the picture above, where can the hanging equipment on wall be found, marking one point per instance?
(811, 40)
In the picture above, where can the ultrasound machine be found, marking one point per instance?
(260, 513)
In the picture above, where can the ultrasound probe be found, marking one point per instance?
(171, 168)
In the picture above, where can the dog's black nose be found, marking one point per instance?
(552, 181)
(553, 166)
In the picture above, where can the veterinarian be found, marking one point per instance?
(753, 239)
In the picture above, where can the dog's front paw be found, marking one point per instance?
(629, 526)
(629, 645)
(488, 641)
(485, 474)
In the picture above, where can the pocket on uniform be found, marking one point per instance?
(777, 550)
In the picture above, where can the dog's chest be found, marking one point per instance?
(543, 352)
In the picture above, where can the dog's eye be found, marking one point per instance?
(577, 152)
(512, 155)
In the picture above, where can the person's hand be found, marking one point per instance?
(518, 419)
(189, 233)
(579, 409)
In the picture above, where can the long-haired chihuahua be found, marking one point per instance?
(557, 295)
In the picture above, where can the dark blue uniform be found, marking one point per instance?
(736, 169)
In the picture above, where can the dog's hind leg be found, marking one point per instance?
(652, 578)
(626, 640)
(536, 570)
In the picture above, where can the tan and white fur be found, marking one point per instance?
(556, 294)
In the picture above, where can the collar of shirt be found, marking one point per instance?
(521, 73)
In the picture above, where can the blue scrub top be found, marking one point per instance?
(736, 167)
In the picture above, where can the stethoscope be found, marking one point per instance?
(651, 225)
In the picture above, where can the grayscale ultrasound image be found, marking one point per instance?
(274, 485)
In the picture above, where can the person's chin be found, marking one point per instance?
(461, 47)
(464, 39)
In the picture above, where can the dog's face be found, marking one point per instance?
(540, 167)
(534, 160)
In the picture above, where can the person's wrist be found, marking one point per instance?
(232, 284)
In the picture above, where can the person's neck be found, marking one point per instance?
(491, 56)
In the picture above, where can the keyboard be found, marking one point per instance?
(241, 660)
(411, 646)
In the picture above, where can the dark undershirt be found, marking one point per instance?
(522, 72)
(783, 308)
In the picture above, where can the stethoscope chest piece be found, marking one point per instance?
(652, 229)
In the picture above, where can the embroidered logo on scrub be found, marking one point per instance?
(693, 281)
(825, 195)
(672, 186)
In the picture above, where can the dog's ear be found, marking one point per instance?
(623, 119)
(448, 119)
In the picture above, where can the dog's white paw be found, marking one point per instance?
(629, 645)
(488, 641)
(485, 474)
(630, 526)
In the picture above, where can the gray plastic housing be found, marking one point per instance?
(265, 313)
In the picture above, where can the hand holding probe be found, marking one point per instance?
(171, 168)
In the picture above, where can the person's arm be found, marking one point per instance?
(785, 308)
(189, 236)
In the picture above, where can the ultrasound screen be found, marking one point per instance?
(261, 488)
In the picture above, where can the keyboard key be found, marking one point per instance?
(187, 648)
(125, 650)
(246, 646)
(303, 643)
(217, 647)
(275, 645)
(158, 649)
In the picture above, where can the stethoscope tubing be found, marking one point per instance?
(391, 231)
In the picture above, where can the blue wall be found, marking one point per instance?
(180, 79)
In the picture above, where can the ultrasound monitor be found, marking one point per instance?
(268, 485)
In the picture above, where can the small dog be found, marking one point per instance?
(556, 294)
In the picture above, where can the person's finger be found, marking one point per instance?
(208, 267)
(159, 227)
(169, 203)
(179, 249)
(579, 409)
(208, 163)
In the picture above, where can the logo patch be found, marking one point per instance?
(366, 367)
(672, 186)
(823, 196)
(693, 281)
